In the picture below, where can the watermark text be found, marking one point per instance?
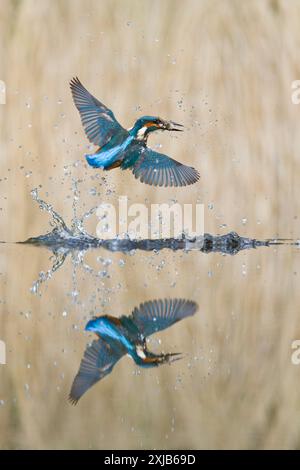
(139, 221)
(2, 352)
(2, 92)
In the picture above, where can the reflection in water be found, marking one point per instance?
(76, 241)
(127, 335)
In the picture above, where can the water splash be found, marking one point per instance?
(59, 259)
(62, 241)
(78, 221)
(56, 220)
(76, 238)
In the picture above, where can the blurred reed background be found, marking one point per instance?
(224, 69)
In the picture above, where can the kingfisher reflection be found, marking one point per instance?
(117, 337)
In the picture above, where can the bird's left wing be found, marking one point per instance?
(98, 361)
(98, 121)
(157, 315)
(158, 169)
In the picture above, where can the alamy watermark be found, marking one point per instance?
(139, 221)
(295, 96)
(2, 352)
(295, 357)
(2, 92)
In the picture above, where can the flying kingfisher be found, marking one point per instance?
(128, 149)
(127, 335)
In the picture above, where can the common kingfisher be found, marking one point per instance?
(127, 335)
(128, 149)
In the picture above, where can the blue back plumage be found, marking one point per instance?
(109, 329)
(109, 154)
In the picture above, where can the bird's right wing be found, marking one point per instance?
(158, 169)
(157, 315)
(98, 121)
(98, 361)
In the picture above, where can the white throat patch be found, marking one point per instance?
(140, 352)
(141, 133)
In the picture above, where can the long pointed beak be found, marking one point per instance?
(171, 357)
(173, 126)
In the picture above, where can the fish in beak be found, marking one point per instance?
(173, 126)
(168, 358)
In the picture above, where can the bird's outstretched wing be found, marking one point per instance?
(98, 361)
(157, 315)
(160, 170)
(98, 121)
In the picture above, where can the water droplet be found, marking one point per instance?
(93, 192)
